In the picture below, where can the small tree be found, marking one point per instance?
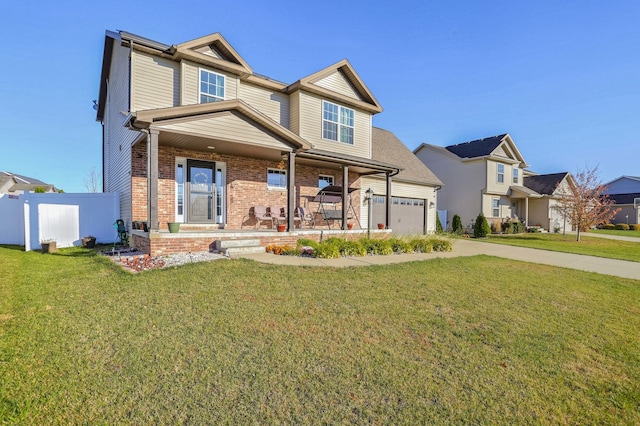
(438, 224)
(39, 190)
(92, 181)
(481, 228)
(585, 204)
(456, 225)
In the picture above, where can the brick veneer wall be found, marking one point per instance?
(246, 185)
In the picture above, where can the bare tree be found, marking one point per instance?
(585, 204)
(92, 181)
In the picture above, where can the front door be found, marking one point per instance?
(201, 191)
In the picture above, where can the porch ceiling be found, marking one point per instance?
(523, 192)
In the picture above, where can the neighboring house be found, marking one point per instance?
(625, 191)
(484, 175)
(193, 135)
(14, 184)
(545, 210)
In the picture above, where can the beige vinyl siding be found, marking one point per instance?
(492, 177)
(155, 82)
(294, 113)
(337, 82)
(499, 152)
(191, 83)
(209, 51)
(229, 126)
(273, 104)
(311, 128)
(118, 139)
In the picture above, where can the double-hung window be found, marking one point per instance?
(337, 123)
(211, 87)
(500, 173)
(495, 211)
(276, 179)
(515, 175)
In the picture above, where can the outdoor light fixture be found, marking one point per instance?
(431, 204)
(368, 194)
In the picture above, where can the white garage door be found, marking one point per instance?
(407, 214)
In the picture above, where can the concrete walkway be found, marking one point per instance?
(619, 268)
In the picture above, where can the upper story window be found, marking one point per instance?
(324, 180)
(500, 173)
(515, 175)
(276, 178)
(211, 87)
(337, 123)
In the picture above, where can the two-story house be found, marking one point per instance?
(191, 134)
(484, 175)
(546, 210)
(625, 191)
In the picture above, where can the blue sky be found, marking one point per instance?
(562, 77)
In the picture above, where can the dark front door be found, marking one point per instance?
(202, 191)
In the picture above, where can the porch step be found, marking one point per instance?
(233, 247)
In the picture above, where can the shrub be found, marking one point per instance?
(377, 246)
(401, 245)
(440, 244)
(622, 226)
(422, 245)
(608, 226)
(481, 228)
(326, 251)
(438, 224)
(352, 248)
(513, 227)
(456, 225)
(634, 227)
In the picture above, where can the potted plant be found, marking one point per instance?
(49, 246)
(173, 227)
(381, 226)
(349, 225)
(282, 227)
(89, 241)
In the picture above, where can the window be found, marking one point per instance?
(496, 207)
(211, 87)
(324, 180)
(337, 123)
(515, 175)
(276, 178)
(180, 192)
(500, 173)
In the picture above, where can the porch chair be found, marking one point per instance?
(305, 217)
(276, 214)
(261, 215)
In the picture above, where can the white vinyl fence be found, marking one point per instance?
(28, 219)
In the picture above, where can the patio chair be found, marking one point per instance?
(305, 217)
(276, 214)
(261, 215)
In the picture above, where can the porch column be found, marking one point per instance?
(291, 191)
(345, 196)
(388, 218)
(526, 211)
(152, 179)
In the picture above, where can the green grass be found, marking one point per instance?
(635, 234)
(591, 246)
(466, 340)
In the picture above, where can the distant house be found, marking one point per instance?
(193, 135)
(625, 191)
(544, 210)
(483, 175)
(12, 183)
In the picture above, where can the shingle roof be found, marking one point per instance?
(624, 198)
(24, 179)
(388, 148)
(544, 184)
(477, 148)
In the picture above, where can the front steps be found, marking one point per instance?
(235, 247)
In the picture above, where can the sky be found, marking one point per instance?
(561, 77)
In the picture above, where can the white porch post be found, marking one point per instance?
(526, 208)
(345, 196)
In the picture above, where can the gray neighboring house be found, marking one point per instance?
(625, 191)
(14, 184)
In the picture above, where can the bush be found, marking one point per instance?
(513, 227)
(481, 228)
(422, 245)
(326, 251)
(622, 227)
(399, 245)
(634, 227)
(607, 226)
(352, 248)
(439, 229)
(456, 225)
(377, 246)
(440, 244)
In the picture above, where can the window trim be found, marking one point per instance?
(279, 172)
(339, 125)
(516, 175)
(500, 175)
(201, 93)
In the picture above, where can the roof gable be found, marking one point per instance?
(213, 48)
(500, 146)
(545, 184)
(339, 81)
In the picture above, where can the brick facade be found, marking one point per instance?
(246, 185)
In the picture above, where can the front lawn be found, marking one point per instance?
(591, 246)
(618, 232)
(475, 340)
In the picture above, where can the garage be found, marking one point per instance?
(407, 214)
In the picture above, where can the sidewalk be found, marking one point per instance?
(619, 268)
